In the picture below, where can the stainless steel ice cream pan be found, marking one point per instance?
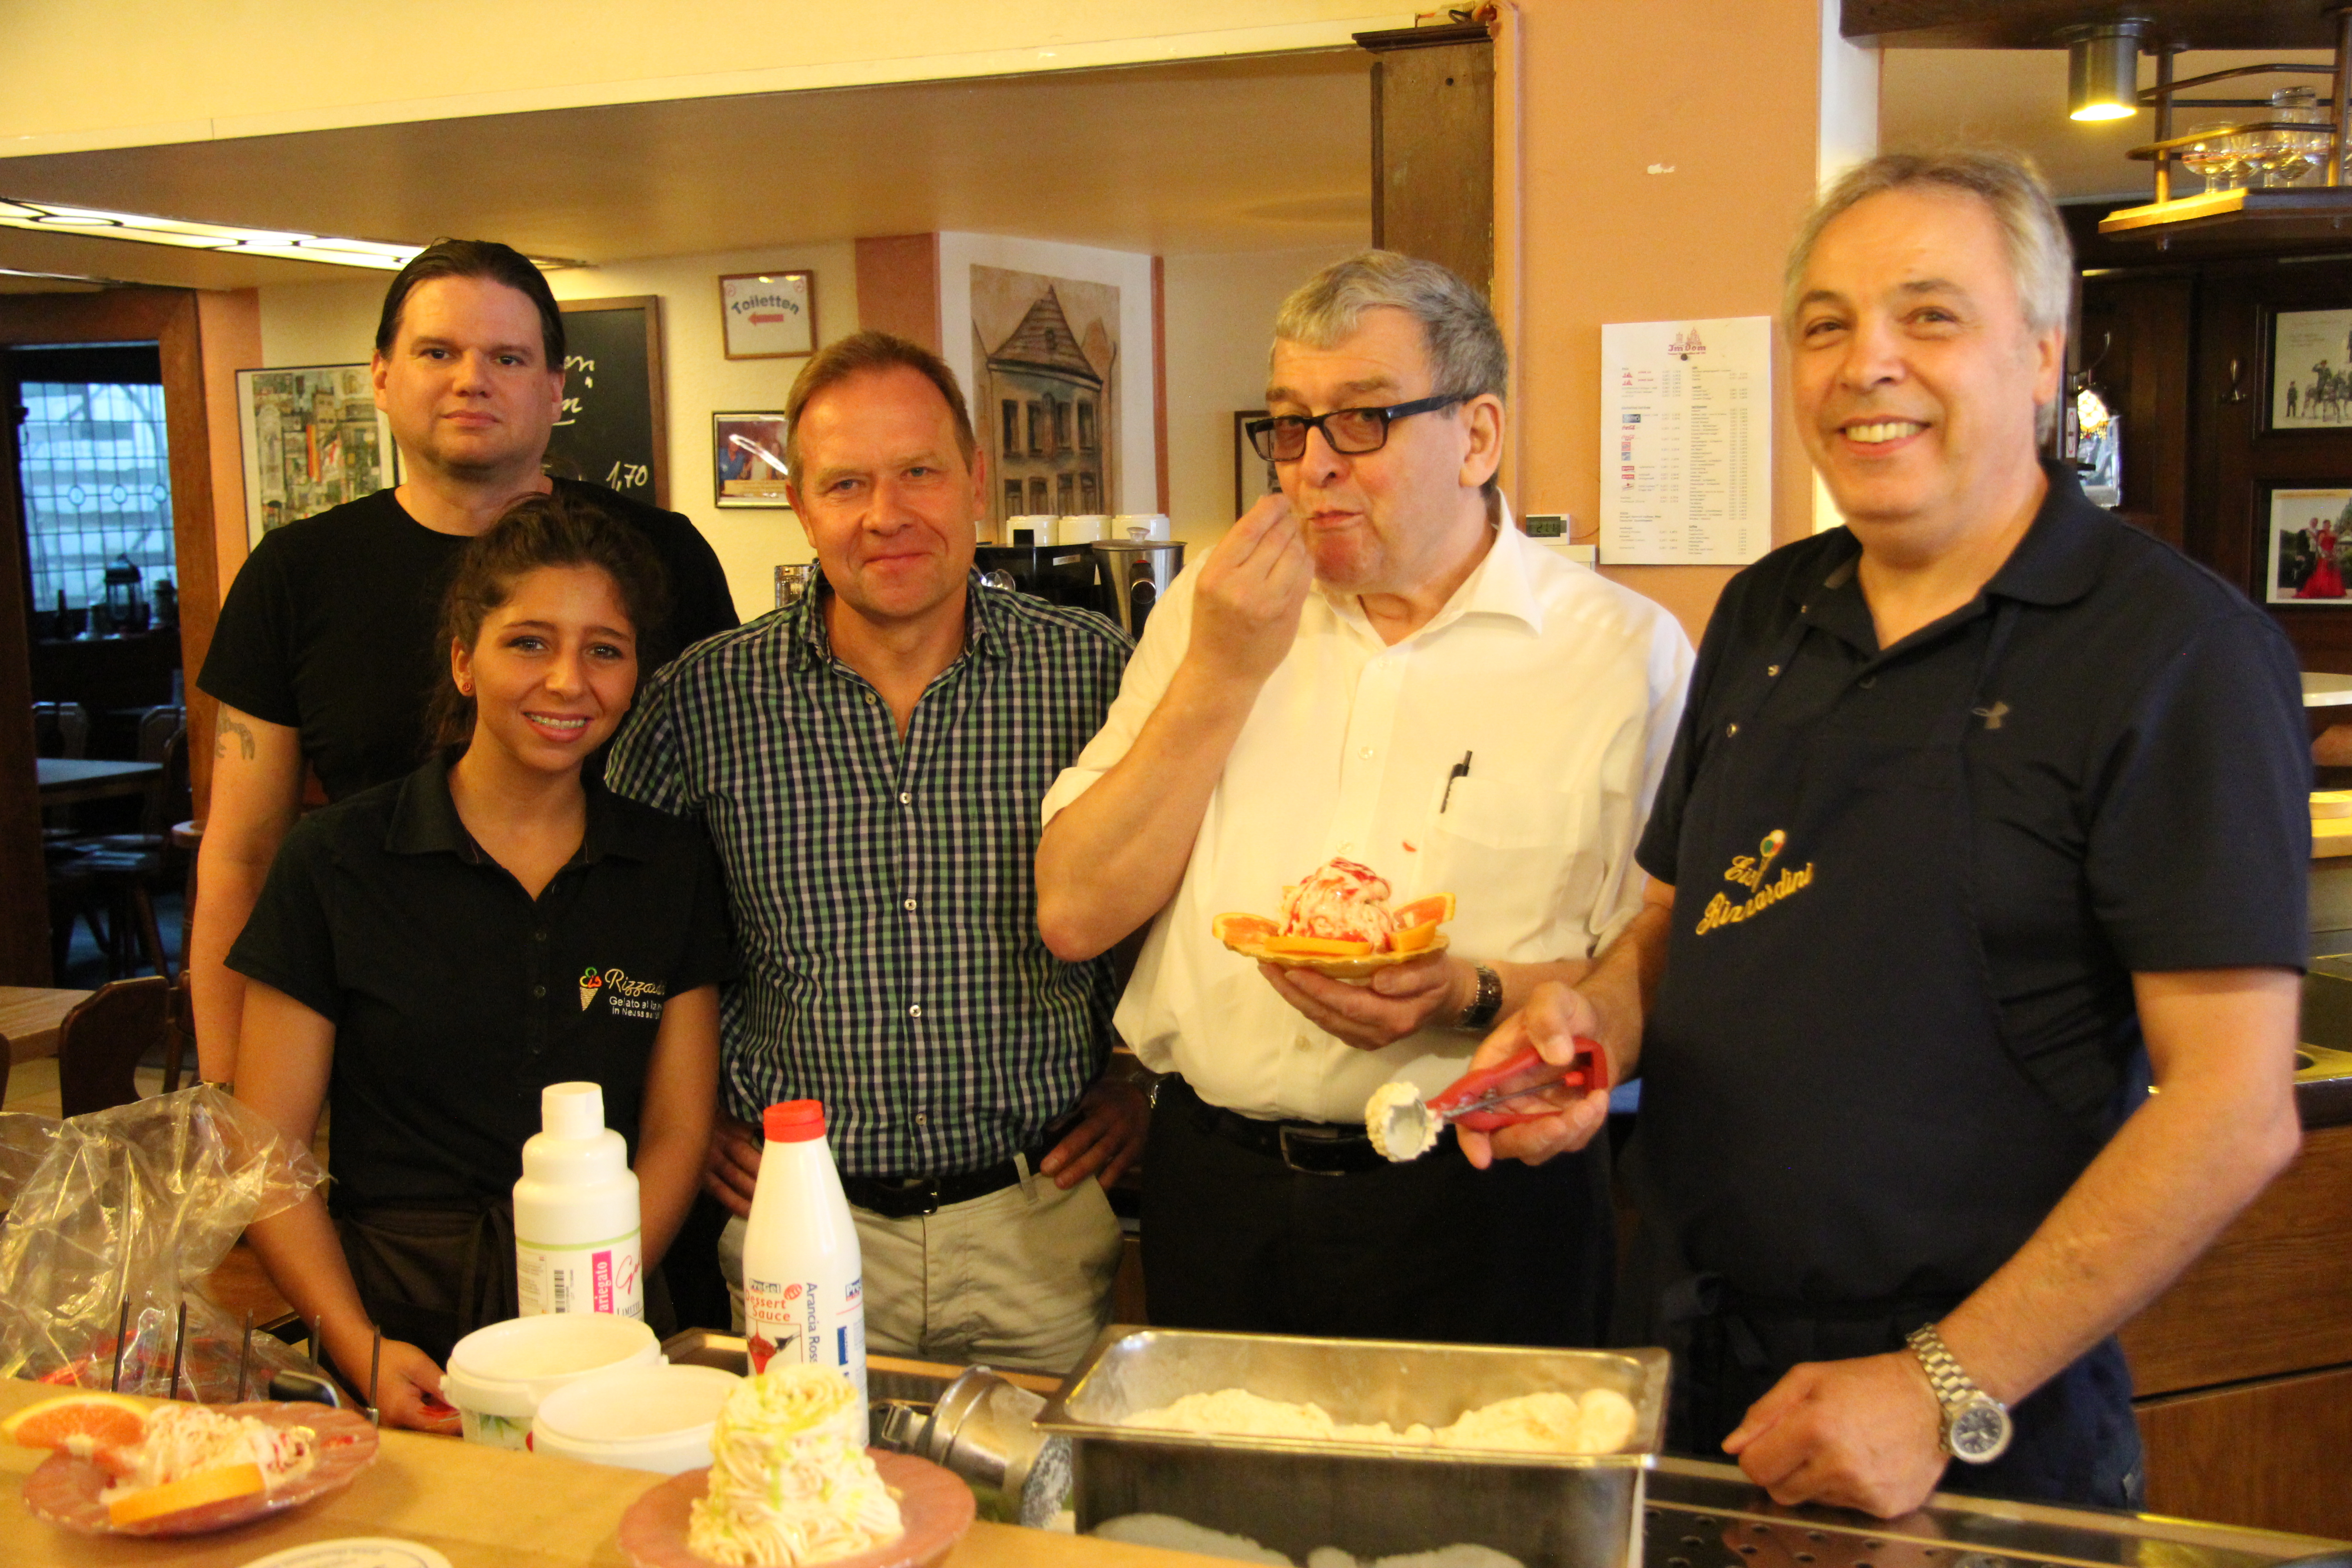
(1563, 1510)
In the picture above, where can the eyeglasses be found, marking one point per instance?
(1351, 432)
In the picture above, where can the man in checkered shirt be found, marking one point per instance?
(870, 764)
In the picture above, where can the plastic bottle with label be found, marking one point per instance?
(803, 1289)
(577, 1225)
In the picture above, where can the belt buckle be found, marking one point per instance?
(913, 1196)
(1308, 1139)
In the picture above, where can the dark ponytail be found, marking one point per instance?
(535, 531)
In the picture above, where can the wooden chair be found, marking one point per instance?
(119, 873)
(103, 1040)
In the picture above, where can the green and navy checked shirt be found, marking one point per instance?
(885, 892)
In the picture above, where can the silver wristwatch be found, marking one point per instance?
(1485, 1002)
(1976, 1428)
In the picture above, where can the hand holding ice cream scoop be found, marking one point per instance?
(1403, 1126)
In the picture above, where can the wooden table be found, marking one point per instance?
(481, 1508)
(29, 1017)
(68, 781)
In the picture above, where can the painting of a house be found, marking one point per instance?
(1045, 406)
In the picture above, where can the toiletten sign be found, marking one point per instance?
(1686, 442)
(769, 315)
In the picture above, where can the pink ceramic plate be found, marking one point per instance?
(935, 1507)
(65, 1491)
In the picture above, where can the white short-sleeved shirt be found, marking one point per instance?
(1561, 687)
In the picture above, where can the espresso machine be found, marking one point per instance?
(1061, 573)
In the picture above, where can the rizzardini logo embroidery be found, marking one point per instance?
(1750, 871)
(626, 998)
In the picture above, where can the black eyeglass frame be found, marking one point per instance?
(1261, 431)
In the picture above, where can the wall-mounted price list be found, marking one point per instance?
(1686, 442)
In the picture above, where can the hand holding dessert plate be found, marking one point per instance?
(1338, 923)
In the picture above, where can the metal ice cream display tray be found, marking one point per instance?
(1293, 1495)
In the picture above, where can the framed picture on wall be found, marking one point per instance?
(2310, 370)
(1252, 476)
(2310, 550)
(769, 315)
(747, 459)
(313, 438)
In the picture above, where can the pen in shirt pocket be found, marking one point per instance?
(1460, 769)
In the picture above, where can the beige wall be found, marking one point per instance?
(1219, 313)
(78, 75)
(1728, 98)
(334, 323)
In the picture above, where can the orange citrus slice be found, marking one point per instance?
(1321, 946)
(103, 1420)
(1414, 938)
(189, 1491)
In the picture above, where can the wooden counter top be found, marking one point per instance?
(481, 1508)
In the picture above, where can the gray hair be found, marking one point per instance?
(1466, 357)
(2041, 256)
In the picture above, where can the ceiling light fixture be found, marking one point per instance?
(50, 217)
(2103, 69)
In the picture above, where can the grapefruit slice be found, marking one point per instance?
(1434, 910)
(81, 1423)
(1237, 931)
(1412, 939)
(189, 1491)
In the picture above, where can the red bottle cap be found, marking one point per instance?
(794, 1120)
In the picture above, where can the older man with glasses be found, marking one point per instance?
(1373, 667)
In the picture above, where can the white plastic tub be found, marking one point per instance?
(498, 1376)
(655, 1418)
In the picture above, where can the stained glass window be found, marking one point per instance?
(97, 485)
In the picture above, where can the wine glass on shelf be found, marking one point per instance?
(2287, 155)
(2211, 158)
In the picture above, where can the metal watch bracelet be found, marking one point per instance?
(1976, 1426)
(1485, 1002)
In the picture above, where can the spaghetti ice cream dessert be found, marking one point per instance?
(1337, 920)
(1339, 902)
(790, 1481)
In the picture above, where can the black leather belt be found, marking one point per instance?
(905, 1197)
(1313, 1148)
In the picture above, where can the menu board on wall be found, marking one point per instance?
(610, 431)
(1686, 442)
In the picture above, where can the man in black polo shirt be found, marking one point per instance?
(324, 653)
(1983, 806)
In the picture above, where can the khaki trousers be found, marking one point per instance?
(1020, 1278)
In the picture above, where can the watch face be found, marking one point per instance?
(1981, 1432)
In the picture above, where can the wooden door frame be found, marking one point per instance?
(168, 318)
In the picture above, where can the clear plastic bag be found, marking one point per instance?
(138, 1204)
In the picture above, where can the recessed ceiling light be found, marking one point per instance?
(51, 218)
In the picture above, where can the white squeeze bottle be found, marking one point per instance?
(803, 1288)
(577, 1244)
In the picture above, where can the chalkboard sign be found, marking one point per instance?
(612, 431)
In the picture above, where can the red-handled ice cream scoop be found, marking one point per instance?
(1403, 1126)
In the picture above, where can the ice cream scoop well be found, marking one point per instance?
(1405, 1127)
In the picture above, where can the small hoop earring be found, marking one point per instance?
(465, 689)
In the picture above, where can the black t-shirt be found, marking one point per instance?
(456, 997)
(2142, 808)
(330, 628)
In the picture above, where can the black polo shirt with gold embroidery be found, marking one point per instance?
(2137, 788)
(456, 997)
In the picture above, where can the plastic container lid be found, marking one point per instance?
(794, 1120)
(507, 1368)
(572, 1109)
(648, 1418)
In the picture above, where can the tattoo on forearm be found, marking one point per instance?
(227, 728)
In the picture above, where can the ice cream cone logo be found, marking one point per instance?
(1773, 843)
(590, 984)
